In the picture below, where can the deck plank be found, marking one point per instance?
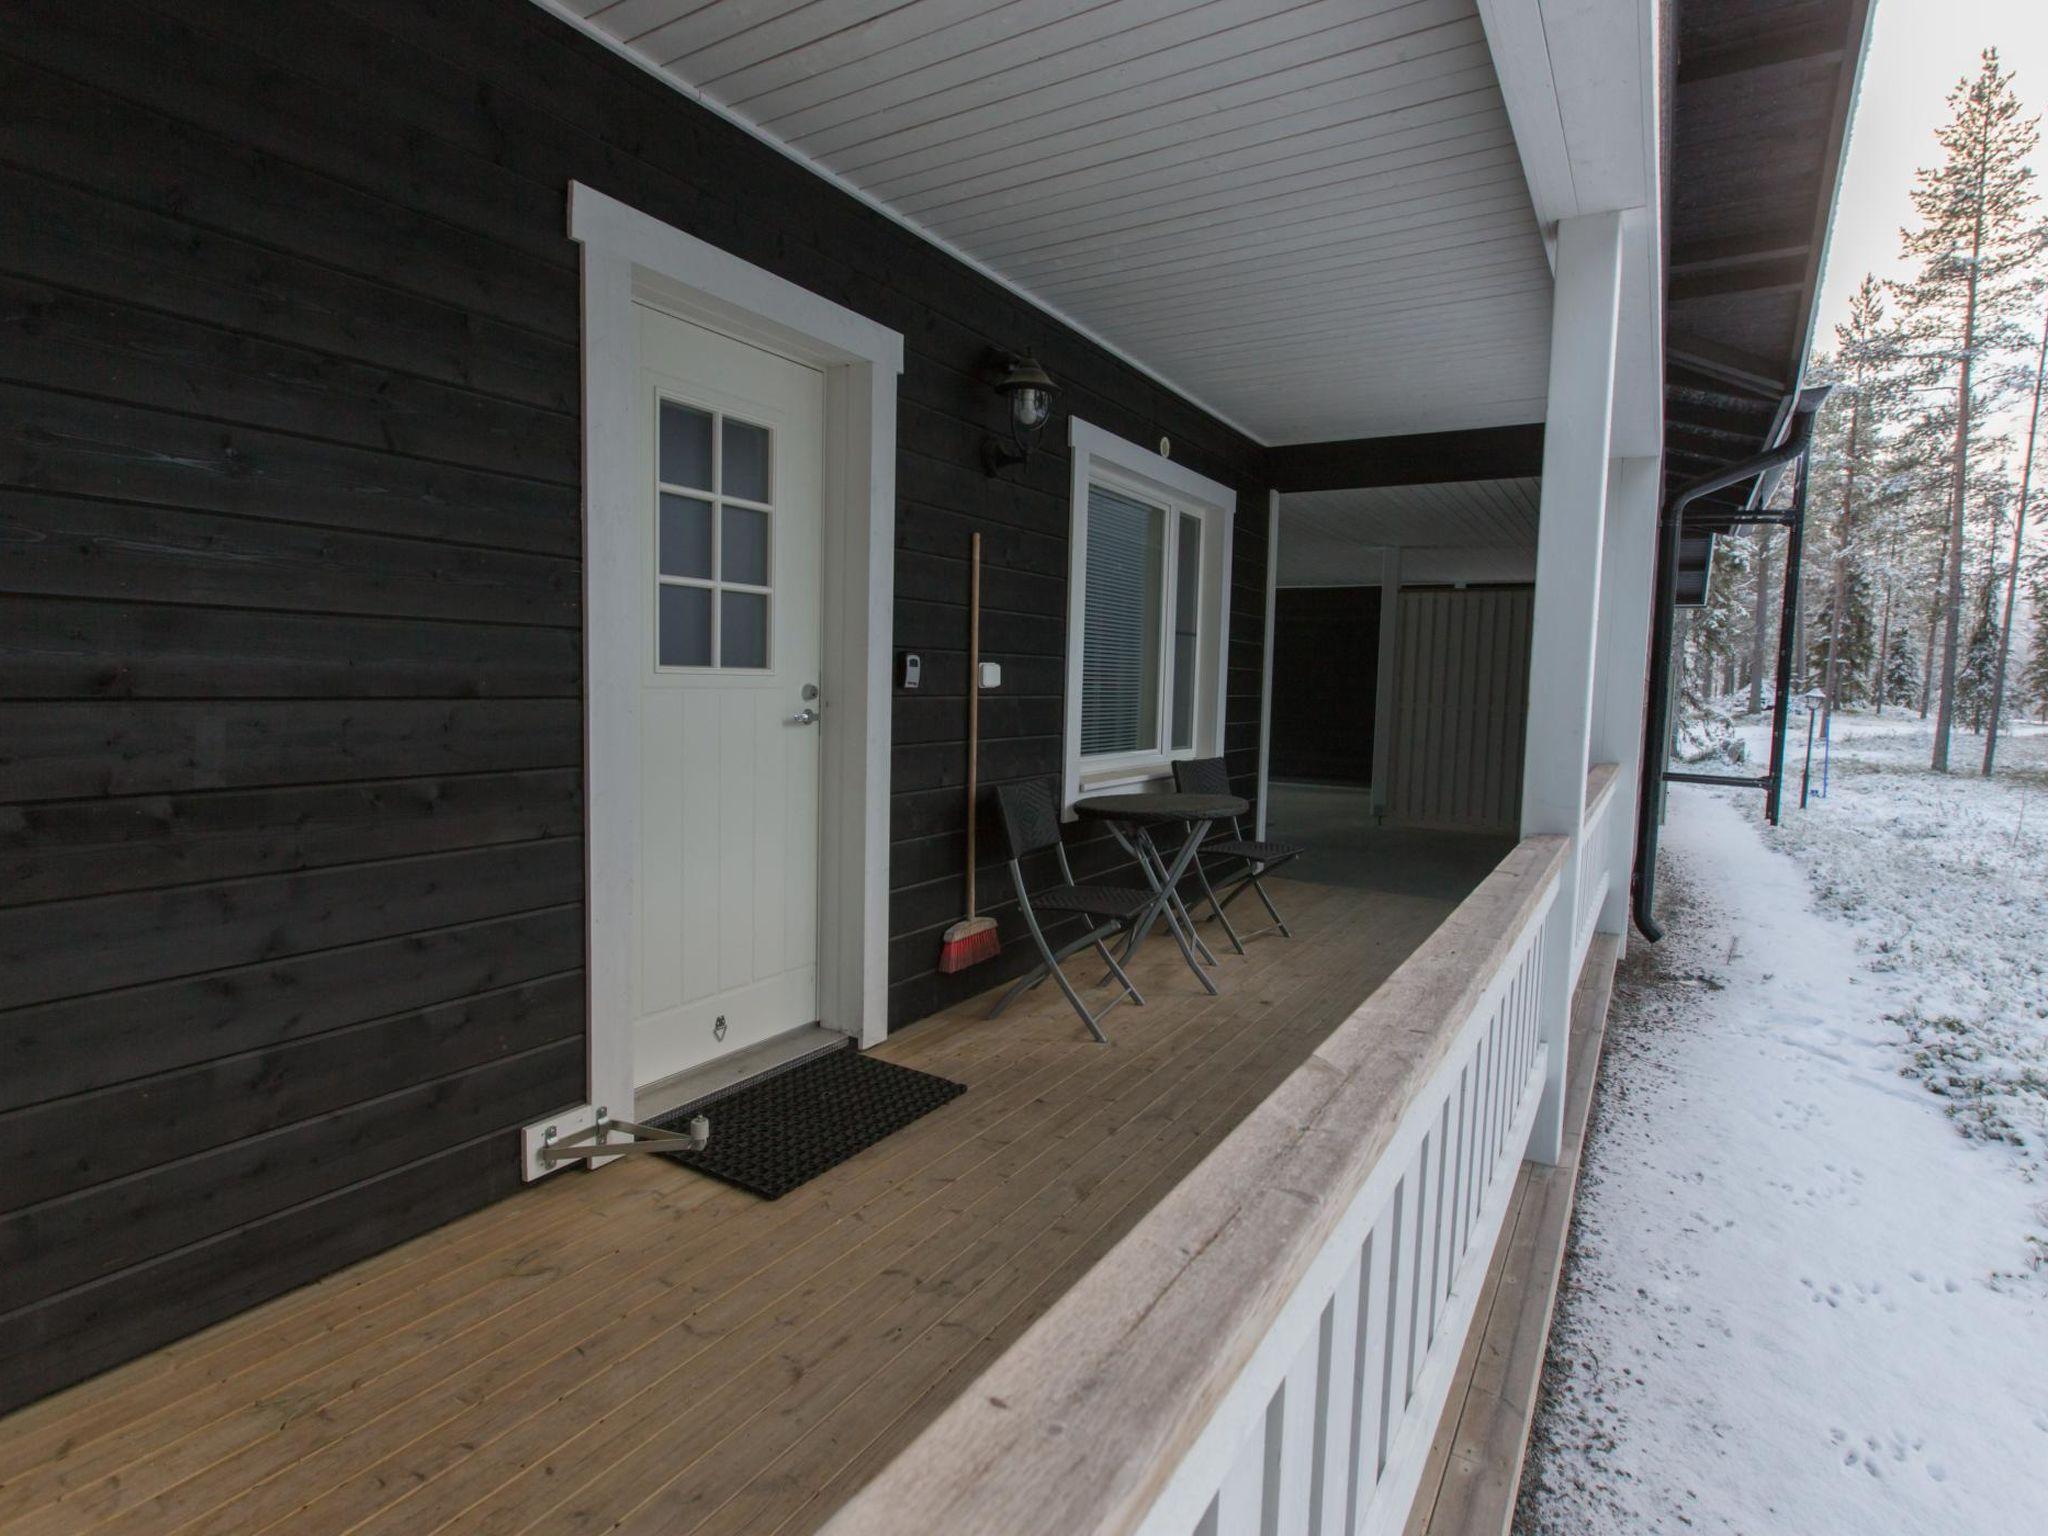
(643, 1348)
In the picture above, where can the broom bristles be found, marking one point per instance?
(968, 942)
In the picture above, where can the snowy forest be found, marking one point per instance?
(1925, 586)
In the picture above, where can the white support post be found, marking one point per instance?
(1266, 664)
(1383, 721)
(1627, 585)
(1578, 428)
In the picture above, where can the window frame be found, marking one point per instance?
(1101, 458)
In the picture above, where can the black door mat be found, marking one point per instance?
(773, 1134)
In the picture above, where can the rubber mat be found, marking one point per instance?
(777, 1133)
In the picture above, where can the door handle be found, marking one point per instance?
(804, 716)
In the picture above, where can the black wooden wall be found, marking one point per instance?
(290, 729)
(1326, 659)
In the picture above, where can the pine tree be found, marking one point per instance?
(1977, 245)
(1894, 537)
(1844, 647)
(1759, 586)
(1901, 672)
(2019, 546)
(2033, 682)
(1719, 630)
(1847, 478)
(1980, 667)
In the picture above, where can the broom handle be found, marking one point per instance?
(973, 706)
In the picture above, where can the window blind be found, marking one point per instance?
(1187, 614)
(1121, 621)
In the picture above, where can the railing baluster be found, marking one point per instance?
(1415, 1244)
(1439, 1226)
(1474, 1171)
(1336, 1405)
(1368, 1392)
(1290, 1495)
(1490, 1044)
(1392, 1395)
(1504, 1099)
(1241, 1501)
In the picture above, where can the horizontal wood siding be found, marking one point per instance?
(1326, 647)
(291, 866)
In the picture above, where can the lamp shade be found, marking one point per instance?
(1029, 389)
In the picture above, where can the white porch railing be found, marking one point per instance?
(1270, 1348)
(1596, 859)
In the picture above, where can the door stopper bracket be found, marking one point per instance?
(594, 1134)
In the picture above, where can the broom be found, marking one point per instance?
(973, 939)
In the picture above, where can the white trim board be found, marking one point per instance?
(627, 256)
(1266, 659)
(1216, 503)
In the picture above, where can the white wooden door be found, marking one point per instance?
(726, 930)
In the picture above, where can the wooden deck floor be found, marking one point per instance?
(641, 1349)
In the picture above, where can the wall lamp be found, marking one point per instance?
(1028, 389)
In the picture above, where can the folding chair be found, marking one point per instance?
(1207, 776)
(1030, 820)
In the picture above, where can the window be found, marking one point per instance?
(714, 538)
(1148, 599)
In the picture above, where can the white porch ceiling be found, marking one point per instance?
(1308, 215)
(1470, 530)
(1473, 514)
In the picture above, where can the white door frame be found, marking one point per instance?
(627, 256)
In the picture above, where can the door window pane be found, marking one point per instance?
(742, 629)
(685, 446)
(1122, 609)
(706, 542)
(685, 536)
(746, 461)
(1187, 616)
(685, 626)
(744, 554)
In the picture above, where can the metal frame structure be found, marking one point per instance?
(1790, 454)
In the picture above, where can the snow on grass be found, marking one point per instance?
(1791, 1303)
(1945, 879)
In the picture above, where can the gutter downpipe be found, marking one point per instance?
(1657, 714)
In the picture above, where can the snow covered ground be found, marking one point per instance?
(1946, 882)
(1798, 1299)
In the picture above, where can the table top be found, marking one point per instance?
(1162, 805)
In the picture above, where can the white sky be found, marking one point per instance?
(1918, 50)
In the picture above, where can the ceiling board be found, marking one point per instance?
(1475, 514)
(1307, 214)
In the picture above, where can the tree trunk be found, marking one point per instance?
(1831, 677)
(1757, 650)
(1945, 712)
(2012, 577)
(1881, 671)
(1933, 632)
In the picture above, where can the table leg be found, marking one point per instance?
(1162, 901)
(1175, 907)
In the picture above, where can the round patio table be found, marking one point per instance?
(1131, 820)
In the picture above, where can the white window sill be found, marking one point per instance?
(1116, 778)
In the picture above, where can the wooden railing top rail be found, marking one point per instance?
(1600, 780)
(1078, 1425)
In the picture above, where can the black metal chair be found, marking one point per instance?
(1208, 776)
(1030, 818)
